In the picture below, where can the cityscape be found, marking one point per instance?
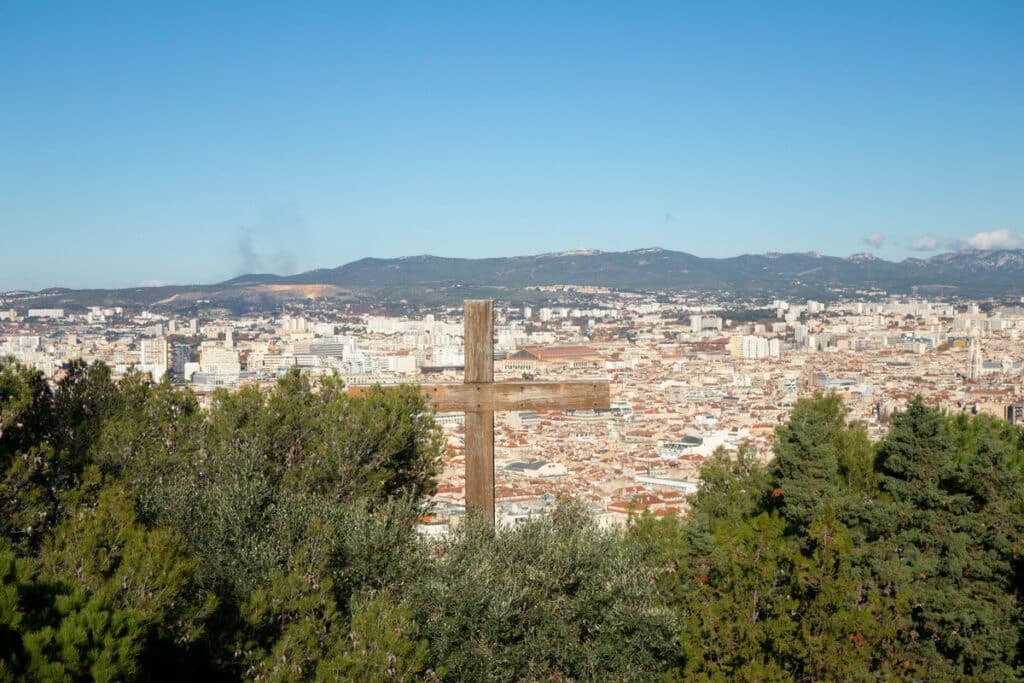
(688, 375)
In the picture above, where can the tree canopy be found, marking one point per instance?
(272, 536)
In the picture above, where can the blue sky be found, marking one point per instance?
(179, 142)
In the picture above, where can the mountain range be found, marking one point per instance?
(972, 273)
(434, 279)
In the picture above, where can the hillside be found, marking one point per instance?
(970, 273)
(434, 279)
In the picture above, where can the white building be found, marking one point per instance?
(153, 357)
(217, 360)
(46, 313)
(699, 323)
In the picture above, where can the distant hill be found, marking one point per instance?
(435, 279)
(970, 273)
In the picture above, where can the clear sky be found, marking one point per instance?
(180, 142)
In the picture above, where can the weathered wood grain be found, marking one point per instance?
(480, 463)
(455, 398)
(497, 396)
(478, 343)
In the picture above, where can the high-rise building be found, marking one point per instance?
(699, 323)
(153, 357)
(752, 347)
(153, 351)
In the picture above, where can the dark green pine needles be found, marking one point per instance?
(272, 537)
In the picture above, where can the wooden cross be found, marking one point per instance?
(479, 396)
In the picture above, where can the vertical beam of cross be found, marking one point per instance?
(479, 396)
(479, 349)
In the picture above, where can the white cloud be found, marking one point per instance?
(925, 243)
(152, 283)
(993, 239)
(874, 239)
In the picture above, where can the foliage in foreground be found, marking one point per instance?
(846, 560)
(272, 537)
(556, 598)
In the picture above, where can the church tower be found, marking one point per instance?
(974, 363)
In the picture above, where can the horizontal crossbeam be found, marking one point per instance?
(496, 396)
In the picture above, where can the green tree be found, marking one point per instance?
(84, 398)
(820, 460)
(27, 503)
(297, 633)
(25, 409)
(555, 598)
(52, 631)
(106, 552)
(944, 535)
(738, 619)
(45, 445)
